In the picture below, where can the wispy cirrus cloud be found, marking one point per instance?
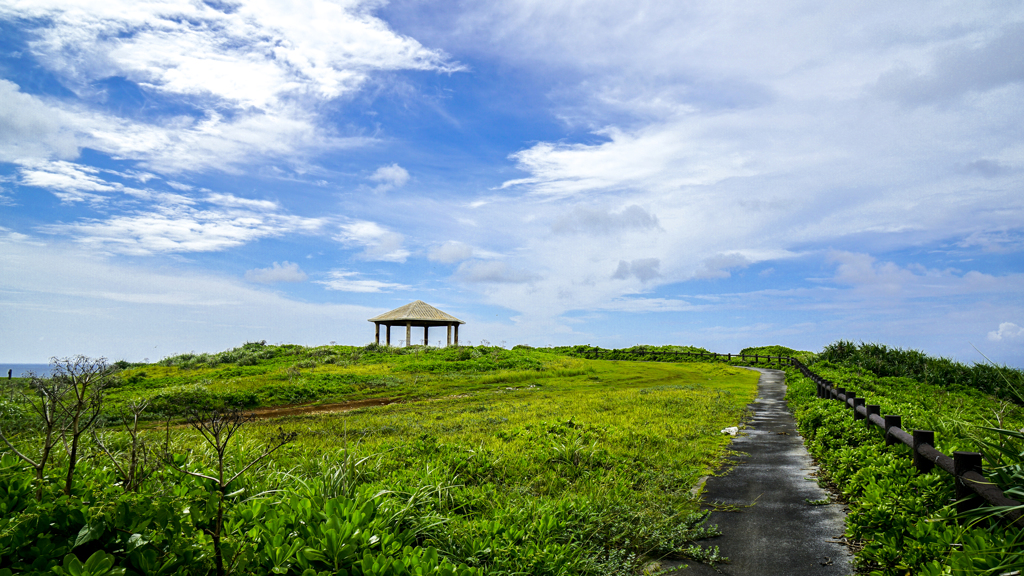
(181, 229)
(145, 221)
(74, 182)
(68, 181)
(350, 281)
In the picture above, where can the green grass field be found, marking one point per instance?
(488, 461)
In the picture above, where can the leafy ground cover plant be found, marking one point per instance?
(903, 519)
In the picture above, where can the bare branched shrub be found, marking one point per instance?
(217, 428)
(135, 466)
(44, 397)
(84, 380)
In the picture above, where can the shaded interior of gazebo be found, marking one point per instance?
(419, 314)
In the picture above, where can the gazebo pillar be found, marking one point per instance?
(456, 334)
(387, 328)
(449, 335)
(408, 334)
(426, 335)
(376, 332)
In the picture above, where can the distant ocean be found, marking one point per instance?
(19, 370)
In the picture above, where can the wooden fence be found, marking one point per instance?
(966, 467)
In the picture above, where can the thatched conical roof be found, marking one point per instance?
(417, 312)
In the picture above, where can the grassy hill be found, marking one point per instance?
(401, 461)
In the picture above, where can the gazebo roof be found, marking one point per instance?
(418, 311)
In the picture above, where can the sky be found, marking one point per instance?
(182, 176)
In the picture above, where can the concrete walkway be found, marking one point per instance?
(762, 505)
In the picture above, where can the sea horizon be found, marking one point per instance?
(19, 370)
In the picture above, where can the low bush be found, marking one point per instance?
(651, 353)
(882, 360)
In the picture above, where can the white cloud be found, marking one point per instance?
(68, 181)
(981, 66)
(180, 186)
(213, 142)
(79, 302)
(493, 271)
(346, 281)
(644, 269)
(232, 201)
(1006, 331)
(286, 272)
(664, 156)
(257, 71)
(73, 182)
(10, 236)
(389, 178)
(33, 130)
(749, 135)
(30, 128)
(869, 279)
(591, 220)
(177, 228)
(644, 305)
(255, 53)
(169, 223)
(717, 266)
(378, 242)
(451, 252)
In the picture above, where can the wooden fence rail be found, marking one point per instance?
(966, 467)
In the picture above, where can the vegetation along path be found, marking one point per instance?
(774, 518)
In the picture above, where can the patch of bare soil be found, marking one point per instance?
(298, 409)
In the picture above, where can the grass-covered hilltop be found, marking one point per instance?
(284, 459)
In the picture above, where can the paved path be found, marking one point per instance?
(773, 530)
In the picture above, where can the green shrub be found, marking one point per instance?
(901, 517)
(882, 360)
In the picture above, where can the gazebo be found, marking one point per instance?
(417, 313)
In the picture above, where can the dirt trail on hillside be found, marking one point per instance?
(299, 409)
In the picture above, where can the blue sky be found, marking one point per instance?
(179, 175)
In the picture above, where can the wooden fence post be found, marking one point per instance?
(871, 410)
(965, 462)
(891, 422)
(856, 403)
(922, 438)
